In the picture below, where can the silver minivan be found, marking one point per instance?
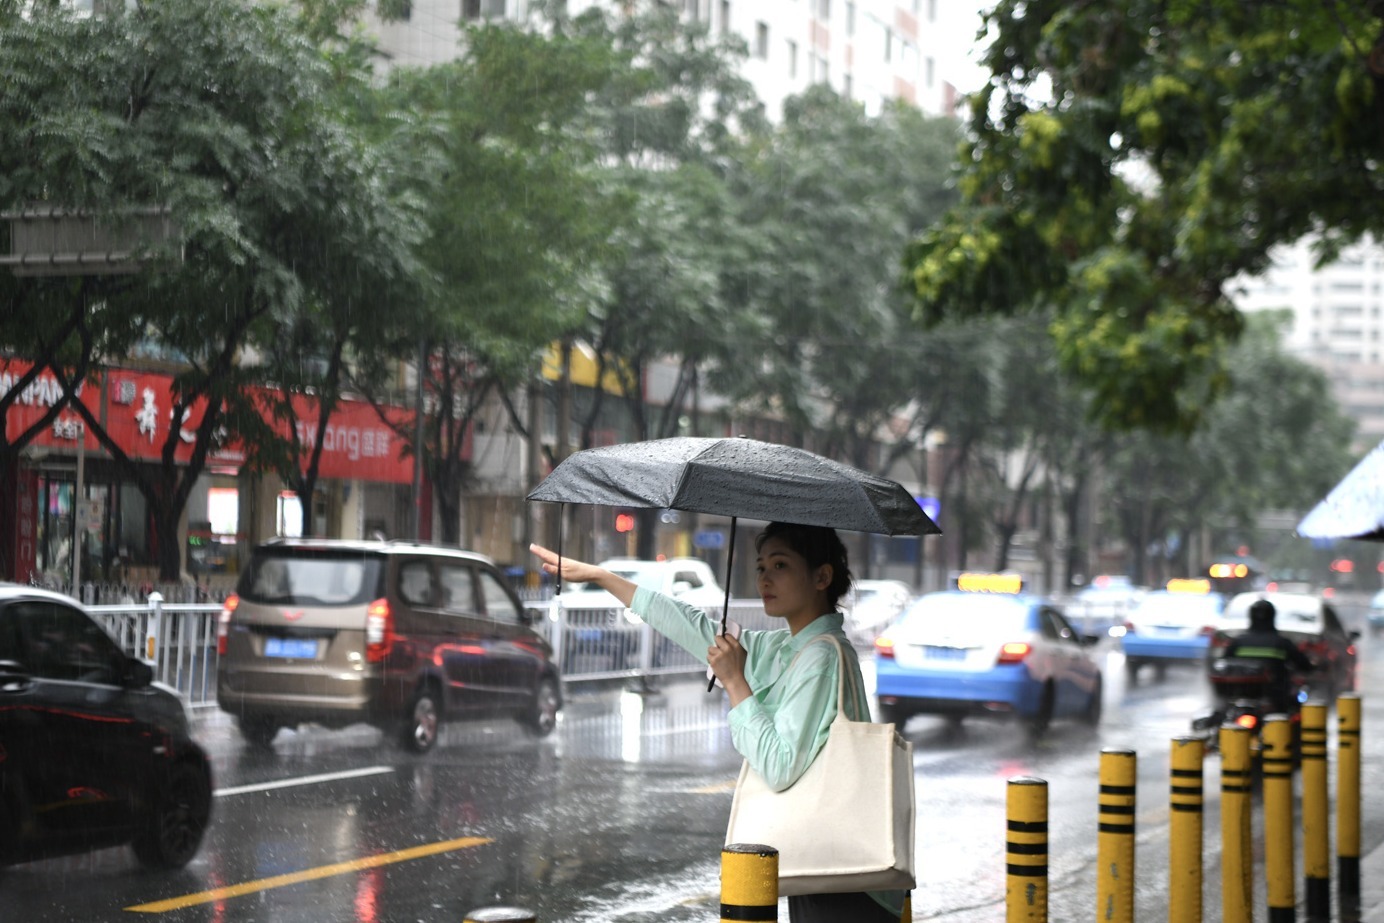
(401, 635)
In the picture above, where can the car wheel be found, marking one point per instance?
(1093, 708)
(258, 730)
(541, 717)
(892, 714)
(1043, 716)
(422, 721)
(171, 836)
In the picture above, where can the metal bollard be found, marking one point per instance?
(1186, 798)
(1115, 837)
(749, 882)
(1278, 818)
(1026, 852)
(1237, 790)
(1348, 802)
(1316, 838)
(501, 915)
(907, 915)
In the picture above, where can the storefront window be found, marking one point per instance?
(289, 515)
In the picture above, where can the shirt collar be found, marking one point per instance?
(823, 624)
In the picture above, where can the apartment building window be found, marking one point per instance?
(792, 58)
(931, 10)
(850, 19)
(823, 9)
(761, 41)
(820, 69)
(693, 8)
(846, 84)
(929, 70)
(482, 9)
(725, 16)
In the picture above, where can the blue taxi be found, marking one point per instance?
(986, 648)
(1173, 625)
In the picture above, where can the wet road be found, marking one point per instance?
(619, 816)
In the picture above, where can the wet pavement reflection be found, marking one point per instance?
(618, 816)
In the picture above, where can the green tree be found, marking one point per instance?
(1276, 440)
(513, 214)
(1127, 159)
(225, 114)
(831, 198)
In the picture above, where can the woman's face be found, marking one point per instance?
(786, 584)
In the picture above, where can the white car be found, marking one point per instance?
(687, 579)
(871, 606)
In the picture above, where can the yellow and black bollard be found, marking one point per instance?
(1278, 818)
(749, 882)
(1316, 838)
(1237, 790)
(1348, 802)
(1115, 838)
(1186, 796)
(1026, 852)
(501, 915)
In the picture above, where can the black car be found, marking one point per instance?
(93, 753)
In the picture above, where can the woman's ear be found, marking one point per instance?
(824, 575)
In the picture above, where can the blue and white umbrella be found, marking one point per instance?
(1355, 506)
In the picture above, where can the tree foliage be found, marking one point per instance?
(228, 116)
(1127, 159)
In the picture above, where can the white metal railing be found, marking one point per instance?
(179, 640)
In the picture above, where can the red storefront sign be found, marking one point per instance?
(136, 409)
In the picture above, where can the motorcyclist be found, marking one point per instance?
(1263, 642)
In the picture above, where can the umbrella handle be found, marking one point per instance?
(725, 603)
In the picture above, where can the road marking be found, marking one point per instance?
(322, 871)
(303, 780)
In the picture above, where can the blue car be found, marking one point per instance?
(1172, 626)
(995, 654)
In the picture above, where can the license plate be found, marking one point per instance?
(944, 653)
(290, 647)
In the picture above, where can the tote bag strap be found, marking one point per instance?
(840, 675)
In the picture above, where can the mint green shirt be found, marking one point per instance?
(782, 727)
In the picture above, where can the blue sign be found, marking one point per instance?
(711, 539)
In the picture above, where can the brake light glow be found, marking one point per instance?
(379, 630)
(1208, 630)
(1247, 721)
(884, 647)
(1014, 652)
(223, 623)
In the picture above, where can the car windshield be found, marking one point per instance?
(311, 578)
(966, 614)
(1177, 608)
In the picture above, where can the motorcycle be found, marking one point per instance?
(1242, 691)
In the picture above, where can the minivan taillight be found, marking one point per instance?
(379, 630)
(223, 623)
(884, 647)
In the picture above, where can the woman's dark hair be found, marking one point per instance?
(818, 545)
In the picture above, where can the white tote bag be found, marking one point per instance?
(847, 823)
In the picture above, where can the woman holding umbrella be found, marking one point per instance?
(782, 705)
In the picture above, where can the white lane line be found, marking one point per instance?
(304, 780)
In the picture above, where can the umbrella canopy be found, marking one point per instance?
(1355, 506)
(742, 478)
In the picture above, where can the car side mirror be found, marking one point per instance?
(138, 674)
(13, 676)
(1354, 634)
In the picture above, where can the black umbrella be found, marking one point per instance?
(1355, 506)
(739, 478)
(742, 478)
